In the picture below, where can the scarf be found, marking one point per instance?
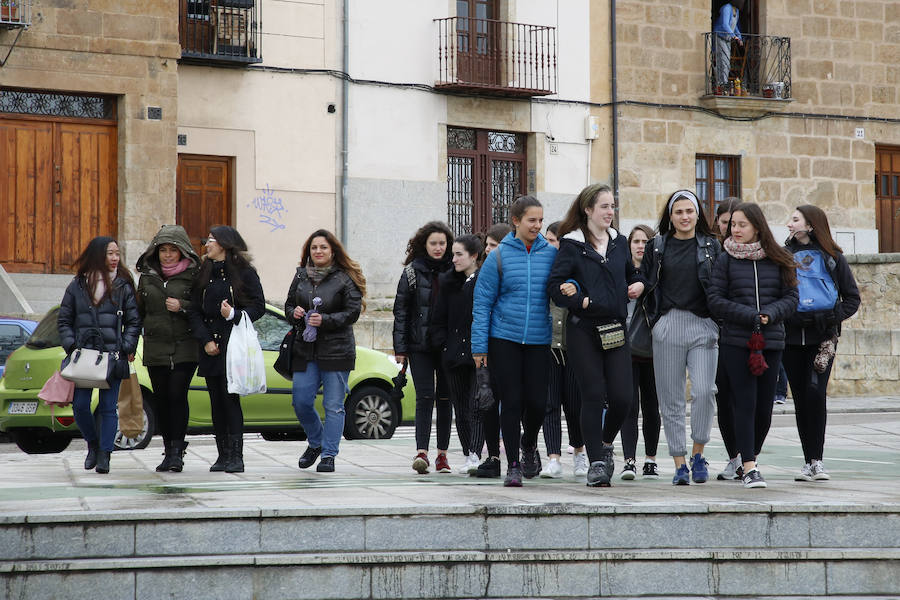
(100, 290)
(752, 251)
(177, 268)
(317, 274)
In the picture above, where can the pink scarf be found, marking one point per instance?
(177, 268)
(753, 251)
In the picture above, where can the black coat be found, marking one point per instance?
(413, 307)
(335, 346)
(732, 298)
(451, 327)
(604, 280)
(806, 329)
(207, 322)
(76, 323)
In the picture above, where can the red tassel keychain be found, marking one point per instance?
(757, 362)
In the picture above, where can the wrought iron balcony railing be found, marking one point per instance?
(227, 31)
(15, 14)
(758, 67)
(496, 58)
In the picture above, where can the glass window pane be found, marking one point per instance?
(894, 186)
(885, 180)
(462, 8)
(721, 169)
(702, 190)
(701, 167)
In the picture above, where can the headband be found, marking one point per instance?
(684, 195)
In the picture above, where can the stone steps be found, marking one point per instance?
(521, 551)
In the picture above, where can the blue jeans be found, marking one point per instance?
(334, 384)
(109, 419)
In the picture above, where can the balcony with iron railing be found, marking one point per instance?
(496, 58)
(748, 77)
(220, 31)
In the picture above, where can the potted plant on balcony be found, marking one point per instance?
(9, 11)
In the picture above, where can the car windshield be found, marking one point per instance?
(47, 333)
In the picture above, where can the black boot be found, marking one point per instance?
(222, 445)
(90, 461)
(235, 462)
(166, 463)
(103, 461)
(177, 453)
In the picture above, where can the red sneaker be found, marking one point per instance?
(420, 463)
(441, 465)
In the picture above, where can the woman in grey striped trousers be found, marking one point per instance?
(684, 335)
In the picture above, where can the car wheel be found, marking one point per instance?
(37, 441)
(140, 442)
(370, 414)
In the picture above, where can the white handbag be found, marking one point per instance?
(88, 368)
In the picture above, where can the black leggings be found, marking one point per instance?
(170, 390)
(643, 384)
(751, 396)
(599, 374)
(461, 381)
(563, 398)
(227, 416)
(724, 411)
(808, 389)
(429, 380)
(522, 373)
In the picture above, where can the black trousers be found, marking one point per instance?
(170, 390)
(643, 385)
(808, 389)
(565, 398)
(724, 412)
(751, 396)
(599, 374)
(522, 373)
(429, 380)
(227, 416)
(461, 382)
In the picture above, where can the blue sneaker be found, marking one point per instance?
(699, 470)
(682, 476)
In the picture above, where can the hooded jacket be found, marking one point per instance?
(167, 334)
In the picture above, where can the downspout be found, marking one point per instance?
(345, 103)
(615, 108)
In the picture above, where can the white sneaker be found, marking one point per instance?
(818, 471)
(470, 465)
(570, 450)
(581, 464)
(553, 470)
(805, 473)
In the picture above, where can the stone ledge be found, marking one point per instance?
(744, 106)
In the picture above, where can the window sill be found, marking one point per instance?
(745, 106)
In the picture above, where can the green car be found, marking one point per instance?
(372, 410)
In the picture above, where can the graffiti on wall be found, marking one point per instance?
(271, 209)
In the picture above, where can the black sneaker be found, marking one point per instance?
(489, 468)
(597, 475)
(326, 465)
(754, 479)
(513, 476)
(651, 470)
(531, 462)
(308, 458)
(629, 471)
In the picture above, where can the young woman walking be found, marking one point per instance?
(677, 265)
(452, 332)
(643, 384)
(98, 311)
(594, 258)
(168, 268)
(226, 286)
(427, 256)
(326, 294)
(564, 395)
(812, 332)
(511, 327)
(752, 291)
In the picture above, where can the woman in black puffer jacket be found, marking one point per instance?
(427, 256)
(753, 289)
(99, 311)
(326, 294)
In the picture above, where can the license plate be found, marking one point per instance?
(22, 408)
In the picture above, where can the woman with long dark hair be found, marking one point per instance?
(226, 286)
(326, 293)
(678, 264)
(595, 259)
(168, 268)
(812, 332)
(99, 311)
(752, 291)
(427, 257)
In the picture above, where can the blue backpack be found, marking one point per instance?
(814, 282)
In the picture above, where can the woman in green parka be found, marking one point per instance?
(167, 269)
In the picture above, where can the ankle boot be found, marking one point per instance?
(90, 461)
(103, 461)
(235, 462)
(222, 445)
(166, 463)
(177, 450)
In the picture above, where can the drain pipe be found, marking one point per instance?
(345, 120)
(615, 108)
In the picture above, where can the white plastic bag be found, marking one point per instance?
(244, 365)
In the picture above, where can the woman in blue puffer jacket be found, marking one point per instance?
(511, 325)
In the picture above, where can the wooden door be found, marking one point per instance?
(204, 195)
(887, 197)
(477, 33)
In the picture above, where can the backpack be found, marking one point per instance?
(814, 282)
